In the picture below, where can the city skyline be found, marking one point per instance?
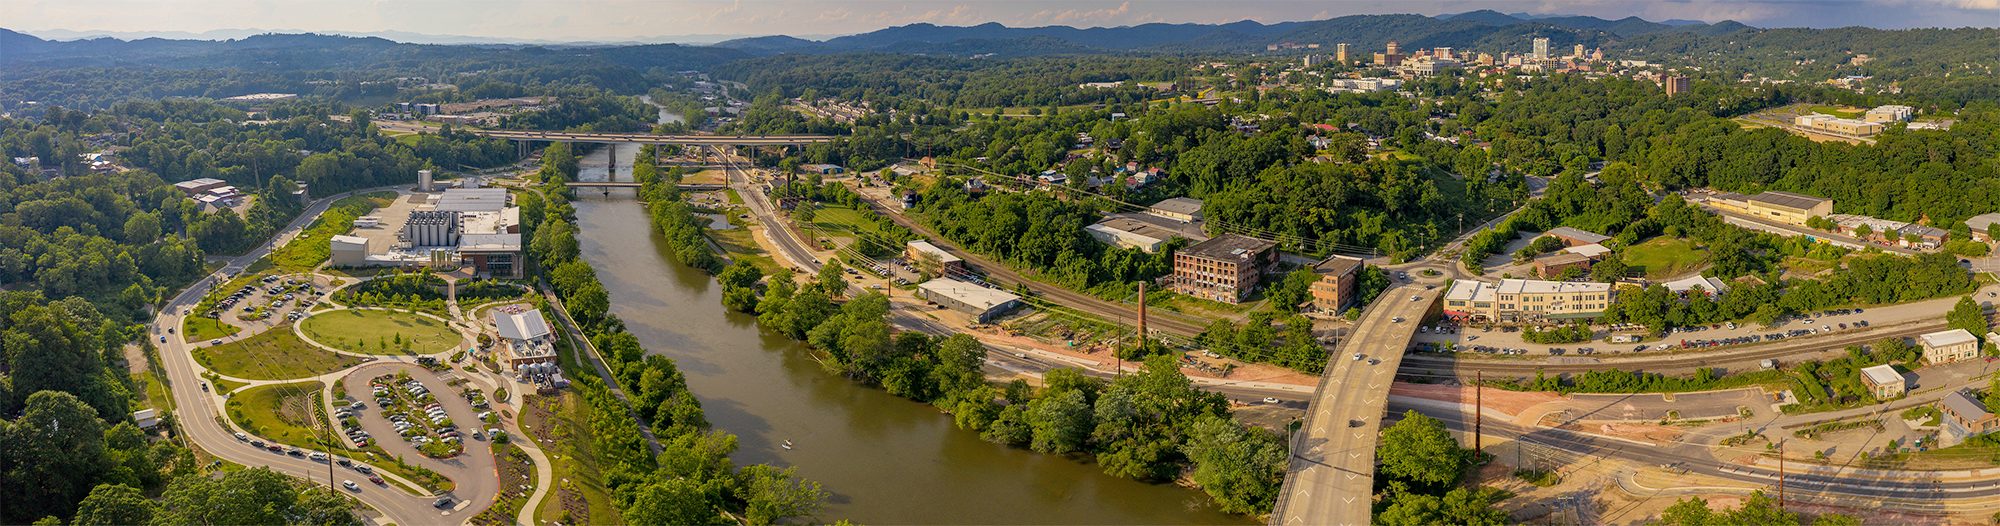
(702, 21)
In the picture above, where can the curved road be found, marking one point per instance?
(199, 414)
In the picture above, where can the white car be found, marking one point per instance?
(1416, 297)
(351, 486)
(240, 437)
(1358, 356)
(1270, 400)
(1398, 319)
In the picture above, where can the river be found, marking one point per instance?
(885, 459)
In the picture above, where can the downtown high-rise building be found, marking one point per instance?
(1340, 53)
(1541, 49)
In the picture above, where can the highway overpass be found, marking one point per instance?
(1331, 474)
(647, 138)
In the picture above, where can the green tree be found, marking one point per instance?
(1240, 468)
(1967, 315)
(831, 279)
(251, 496)
(672, 501)
(1418, 448)
(773, 494)
(115, 505)
(1060, 422)
(55, 453)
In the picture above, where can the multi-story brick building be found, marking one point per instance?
(1226, 268)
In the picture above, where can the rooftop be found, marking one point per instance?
(1690, 282)
(1591, 250)
(1882, 374)
(928, 248)
(1535, 286)
(970, 294)
(1469, 290)
(1950, 337)
(1965, 405)
(1179, 205)
(1577, 234)
(1338, 266)
(1229, 247)
(349, 240)
(1788, 200)
(1561, 258)
(489, 243)
(525, 325)
(472, 200)
(1149, 226)
(1981, 221)
(1729, 196)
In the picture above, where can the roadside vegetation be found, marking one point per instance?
(275, 354)
(310, 248)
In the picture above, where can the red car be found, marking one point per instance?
(377, 480)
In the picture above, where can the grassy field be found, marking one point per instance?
(561, 424)
(200, 328)
(740, 243)
(310, 248)
(275, 354)
(286, 413)
(151, 393)
(1664, 257)
(380, 332)
(1806, 266)
(1186, 304)
(1845, 113)
(843, 219)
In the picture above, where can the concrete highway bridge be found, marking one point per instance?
(647, 138)
(633, 184)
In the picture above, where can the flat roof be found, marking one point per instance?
(1577, 234)
(1180, 205)
(489, 243)
(1536, 286)
(1229, 247)
(1882, 374)
(1591, 250)
(1136, 224)
(1469, 290)
(928, 248)
(197, 183)
(1730, 196)
(350, 240)
(968, 293)
(1788, 200)
(1950, 337)
(1338, 265)
(1690, 282)
(473, 200)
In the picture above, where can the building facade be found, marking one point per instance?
(982, 303)
(1949, 346)
(1786, 207)
(1226, 268)
(1338, 285)
(931, 260)
(1883, 381)
(1525, 300)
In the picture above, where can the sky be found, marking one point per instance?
(676, 20)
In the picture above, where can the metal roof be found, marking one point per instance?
(1179, 205)
(1577, 234)
(1966, 406)
(967, 293)
(1788, 200)
(524, 325)
(1981, 221)
(473, 200)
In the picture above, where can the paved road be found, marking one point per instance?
(198, 411)
(1797, 483)
(774, 229)
(1331, 475)
(473, 471)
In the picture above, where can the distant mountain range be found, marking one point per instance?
(1365, 32)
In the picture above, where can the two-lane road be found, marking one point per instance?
(1332, 470)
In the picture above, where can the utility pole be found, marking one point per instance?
(1781, 475)
(1478, 409)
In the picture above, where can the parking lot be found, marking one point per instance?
(1445, 336)
(271, 301)
(407, 392)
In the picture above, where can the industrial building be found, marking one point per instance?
(472, 227)
(1883, 381)
(1183, 209)
(1949, 346)
(1783, 207)
(1226, 268)
(982, 303)
(1981, 225)
(348, 251)
(1573, 237)
(1338, 286)
(1145, 232)
(430, 228)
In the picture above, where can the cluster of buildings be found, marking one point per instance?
(1963, 415)
(1147, 231)
(213, 194)
(1799, 210)
(483, 112)
(1229, 268)
(1525, 300)
(1873, 122)
(1581, 249)
(472, 227)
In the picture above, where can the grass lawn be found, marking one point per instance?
(1806, 266)
(275, 354)
(378, 332)
(734, 198)
(740, 243)
(1848, 113)
(200, 328)
(579, 495)
(842, 219)
(1186, 304)
(1664, 257)
(151, 393)
(310, 248)
(286, 413)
